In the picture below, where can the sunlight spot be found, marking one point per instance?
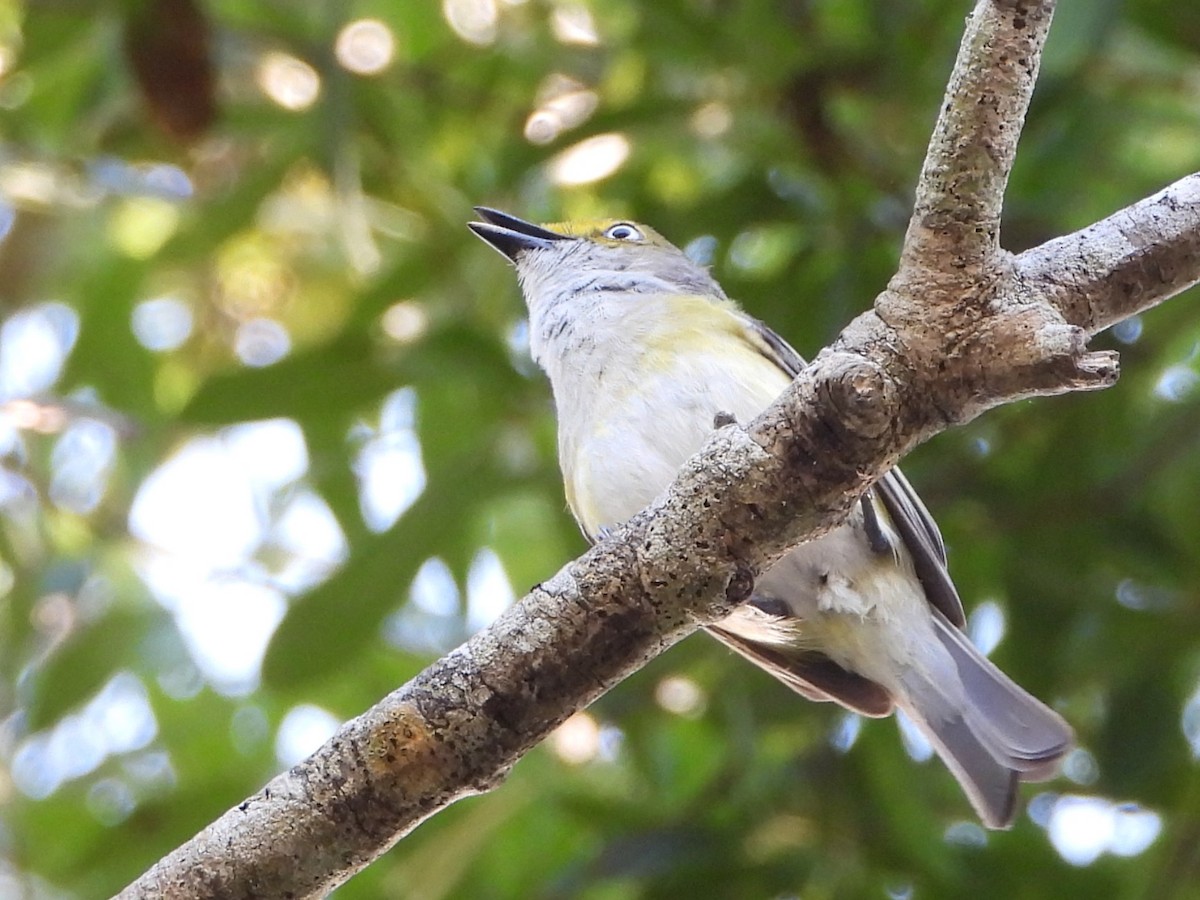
(915, 743)
(1190, 723)
(965, 834)
(434, 590)
(590, 160)
(572, 23)
(1144, 597)
(986, 626)
(121, 714)
(680, 695)
(223, 603)
(701, 250)
(303, 730)
(167, 181)
(612, 739)
(563, 103)
(309, 532)
(846, 732)
(712, 120)
(140, 226)
(34, 344)
(261, 342)
(151, 768)
(252, 279)
(405, 322)
(474, 21)
(489, 592)
(763, 250)
(230, 658)
(1176, 383)
(1084, 828)
(389, 469)
(110, 801)
(577, 740)
(1081, 767)
(365, 47)
(1129, 330)
(430, 621)
(271, 452)
(81, 460)
(35, 184)
(15, 91)
(117, 720)
(249, 728)
(181, 681)
(222, 527)
(163, 323)
(1081, 828)
(516, 341)
(290, 82)
(1134, 831)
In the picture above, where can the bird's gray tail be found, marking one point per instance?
(994, 737)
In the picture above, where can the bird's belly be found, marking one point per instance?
(864, 610)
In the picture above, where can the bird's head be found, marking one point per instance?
(558, 261)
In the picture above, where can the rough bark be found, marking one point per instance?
(962, 327)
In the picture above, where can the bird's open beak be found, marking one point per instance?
(510, 235)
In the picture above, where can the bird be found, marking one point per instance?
(644, 352)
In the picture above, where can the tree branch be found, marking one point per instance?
(1122, 265)
(962, 327)
(960, 193)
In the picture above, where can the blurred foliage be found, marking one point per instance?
(295, 191)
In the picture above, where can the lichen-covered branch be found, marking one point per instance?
(1129, 262)
(963, 326)
(960, 193)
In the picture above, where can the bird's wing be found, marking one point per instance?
(924, 542)
(810, 674)
(904, 508)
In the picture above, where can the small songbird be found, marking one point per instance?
(644, 350)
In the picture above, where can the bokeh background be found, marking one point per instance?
(270, 440)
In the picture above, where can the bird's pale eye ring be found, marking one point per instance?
(622, 231)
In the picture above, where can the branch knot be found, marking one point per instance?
(860, 394)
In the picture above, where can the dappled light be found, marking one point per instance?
(365, 46)
(163, 323)
(288, 81)
(304, 728)
(1084, 828)
(272, 437)
(118, 720)
(475, 21)
(593, 159)
(577, 740)
(680, 695)
(563, 104)
(572, 23)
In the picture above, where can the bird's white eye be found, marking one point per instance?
(622, 231)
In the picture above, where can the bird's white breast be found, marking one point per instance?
(634, 406)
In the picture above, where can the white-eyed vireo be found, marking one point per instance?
(643, 350)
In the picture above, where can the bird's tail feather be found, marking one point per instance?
(992, 735)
